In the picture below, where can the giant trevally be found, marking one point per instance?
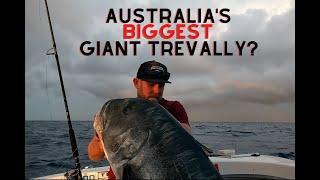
(142, 140)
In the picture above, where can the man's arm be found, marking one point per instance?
(180, 114)
(182, 117)
(186, 127)
(95, 150)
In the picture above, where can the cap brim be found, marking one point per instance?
(157, 80)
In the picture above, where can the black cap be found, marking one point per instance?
(153, 71)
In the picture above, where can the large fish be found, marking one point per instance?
(142, 140)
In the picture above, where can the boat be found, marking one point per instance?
(251, 166)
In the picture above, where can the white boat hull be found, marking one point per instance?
(243, 166)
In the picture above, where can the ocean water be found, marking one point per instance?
(48, 150)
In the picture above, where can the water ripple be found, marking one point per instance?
(48, 149)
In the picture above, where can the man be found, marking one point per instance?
(149, 82)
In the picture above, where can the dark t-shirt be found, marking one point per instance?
(176, 109)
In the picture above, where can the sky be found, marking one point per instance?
(259, 88)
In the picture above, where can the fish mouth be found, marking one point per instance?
(103, 115)
(104, 107)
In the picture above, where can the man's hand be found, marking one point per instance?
(95, 148)
(186, 127)
(97, 123)
(207, 151)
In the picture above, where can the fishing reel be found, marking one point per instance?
(73, 174)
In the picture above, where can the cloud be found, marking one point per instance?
(224, 88)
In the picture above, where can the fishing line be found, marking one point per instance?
(46, 87)
(75, 172)
(39, 10)
(61, 166)
(64, 165)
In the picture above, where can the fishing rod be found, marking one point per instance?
(73, 173)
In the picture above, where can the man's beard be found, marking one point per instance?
(151, 98)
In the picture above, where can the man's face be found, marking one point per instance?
(148, 90)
